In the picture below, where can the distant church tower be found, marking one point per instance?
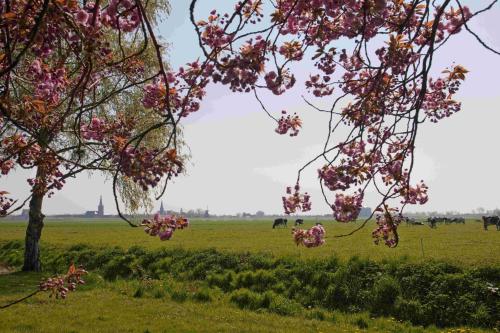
(100, 208)
(162, 210)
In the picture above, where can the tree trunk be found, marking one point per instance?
(33, 233)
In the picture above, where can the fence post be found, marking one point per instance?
(422, 246)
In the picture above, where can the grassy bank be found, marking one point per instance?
(431, 293)
(104, 306)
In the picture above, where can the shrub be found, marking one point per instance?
(283, 306)
(315, 314)
(139, 292)
(410, 310)
(263, 280)
(336, 297)
(202, 295)
(118, 267)
(260, 261)
(481, 316)
(158, 293)
(179, 295)
(384, 294)
(223, 281)
(246, 299)
(361, 323)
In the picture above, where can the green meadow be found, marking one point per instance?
(244, 276)
(465, 244)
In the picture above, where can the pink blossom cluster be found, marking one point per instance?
(415, 194)
(16, 147)
(155, 94)
(346, 208)
(356, 166)
(213, 34)
(164, 226)
(59, 286)
(455, 19)
(146, 166)
(6, 166)
(296, 201)
(49, 83)
(386, 231)
(50, 167)
(289, 123)
(336, 177)
(319, 85)
(121, 14)
(312, 237)
(393, 171)
(291, 50)
(5, 203)
(438, 101)
(95, 130)
(178, 92)
(279, 83)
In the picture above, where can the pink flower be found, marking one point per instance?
(387, 225)
(346, 208)
(296, 201)
(313, 237)
(82, 17)
(164, 226)
(166, 234)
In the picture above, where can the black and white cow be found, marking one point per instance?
(279, 222)
(491, 220)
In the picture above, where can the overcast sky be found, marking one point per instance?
(239, 164)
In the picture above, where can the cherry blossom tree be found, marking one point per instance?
(69, 67)
(73, 76)
(373, 56)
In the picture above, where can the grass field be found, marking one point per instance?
(136, 305)
(111, 307)
(465, 244)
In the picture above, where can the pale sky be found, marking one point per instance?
(239, 164)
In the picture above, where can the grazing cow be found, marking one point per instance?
(494, 220)
(444, 219)
(414, 222)
(432, 220)
(457, 220)
(279, 222)
(299, 222)
(411, 221)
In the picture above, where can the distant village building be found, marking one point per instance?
(206, 215)
(100, 208)
(96, 213)
(25, 213)
(365, 212)
(162, 209)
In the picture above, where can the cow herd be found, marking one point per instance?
(432, 221)
(283, 222)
